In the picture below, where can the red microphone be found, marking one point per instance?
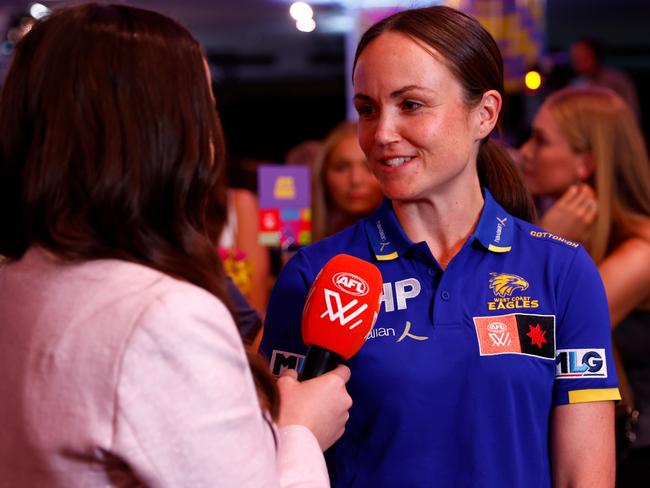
(340, 311)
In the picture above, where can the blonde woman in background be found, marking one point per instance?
(343, 187)
(587, 151)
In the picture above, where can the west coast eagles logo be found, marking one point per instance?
(503, 285)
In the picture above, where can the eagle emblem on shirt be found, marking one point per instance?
(504, 284)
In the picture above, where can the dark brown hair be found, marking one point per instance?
(473, 57)
(112, 148)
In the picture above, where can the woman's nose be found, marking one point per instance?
(359, 174)
(526, 150)
(386, 131)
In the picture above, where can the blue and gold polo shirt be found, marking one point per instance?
(455, 384)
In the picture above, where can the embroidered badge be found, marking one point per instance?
(507, 289)
(516, 333)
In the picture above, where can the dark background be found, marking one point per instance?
(263, 118)
(276, 86)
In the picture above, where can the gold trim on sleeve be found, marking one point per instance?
(594, 395)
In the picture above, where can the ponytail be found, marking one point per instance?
(497, 172)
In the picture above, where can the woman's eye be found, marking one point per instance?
(538, 138)
(338, 166)
(365, 111)
(410, 105)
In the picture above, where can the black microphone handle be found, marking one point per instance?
(318, 361)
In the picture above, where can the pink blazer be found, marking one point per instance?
(114, 374)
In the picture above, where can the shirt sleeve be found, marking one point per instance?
(187, 412)
(282, 341)
(248, 320)
(584, 369)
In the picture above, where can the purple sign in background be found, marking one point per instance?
(283, 186)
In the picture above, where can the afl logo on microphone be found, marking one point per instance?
(350, 283)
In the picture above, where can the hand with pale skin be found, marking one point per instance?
(320, 404)
(572, 215)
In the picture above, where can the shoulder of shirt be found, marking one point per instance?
(538, 236)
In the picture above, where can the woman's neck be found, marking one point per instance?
(444, 224)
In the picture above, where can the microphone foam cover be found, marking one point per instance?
(342, 305)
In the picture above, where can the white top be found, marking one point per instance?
(114, 374)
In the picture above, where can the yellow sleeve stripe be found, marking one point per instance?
(595, 395)
(386, 257)
(494, 248)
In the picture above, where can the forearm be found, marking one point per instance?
(582, 445)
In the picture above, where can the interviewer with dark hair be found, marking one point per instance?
(121, 363)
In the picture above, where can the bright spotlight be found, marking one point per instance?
(300, 11)
(305, 25)
(533, 80)
(38, 10)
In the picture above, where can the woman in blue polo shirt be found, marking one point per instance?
(490, 362)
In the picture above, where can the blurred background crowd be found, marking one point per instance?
(278, 86)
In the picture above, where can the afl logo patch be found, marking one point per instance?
(516, 333)
(497, 327)
(350, 283)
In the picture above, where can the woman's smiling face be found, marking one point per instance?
(416, 130)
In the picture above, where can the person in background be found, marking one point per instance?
(587, 59)
(246, 261)
(343, 187)
(247, 264)
(466, 378)
(303, 153)
(121, 363)
(587, 152)
(248, 320)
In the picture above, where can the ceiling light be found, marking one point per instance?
(305, 25)
(300, 11)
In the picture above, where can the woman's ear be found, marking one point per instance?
(586, 165)
(488, 112)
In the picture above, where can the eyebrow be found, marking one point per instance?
(394, 94)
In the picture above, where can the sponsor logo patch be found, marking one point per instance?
(380, 332)
(580, 363)
(506, 288)
(281, 360)
(553, 237)
(516, 333)
(501, 223)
